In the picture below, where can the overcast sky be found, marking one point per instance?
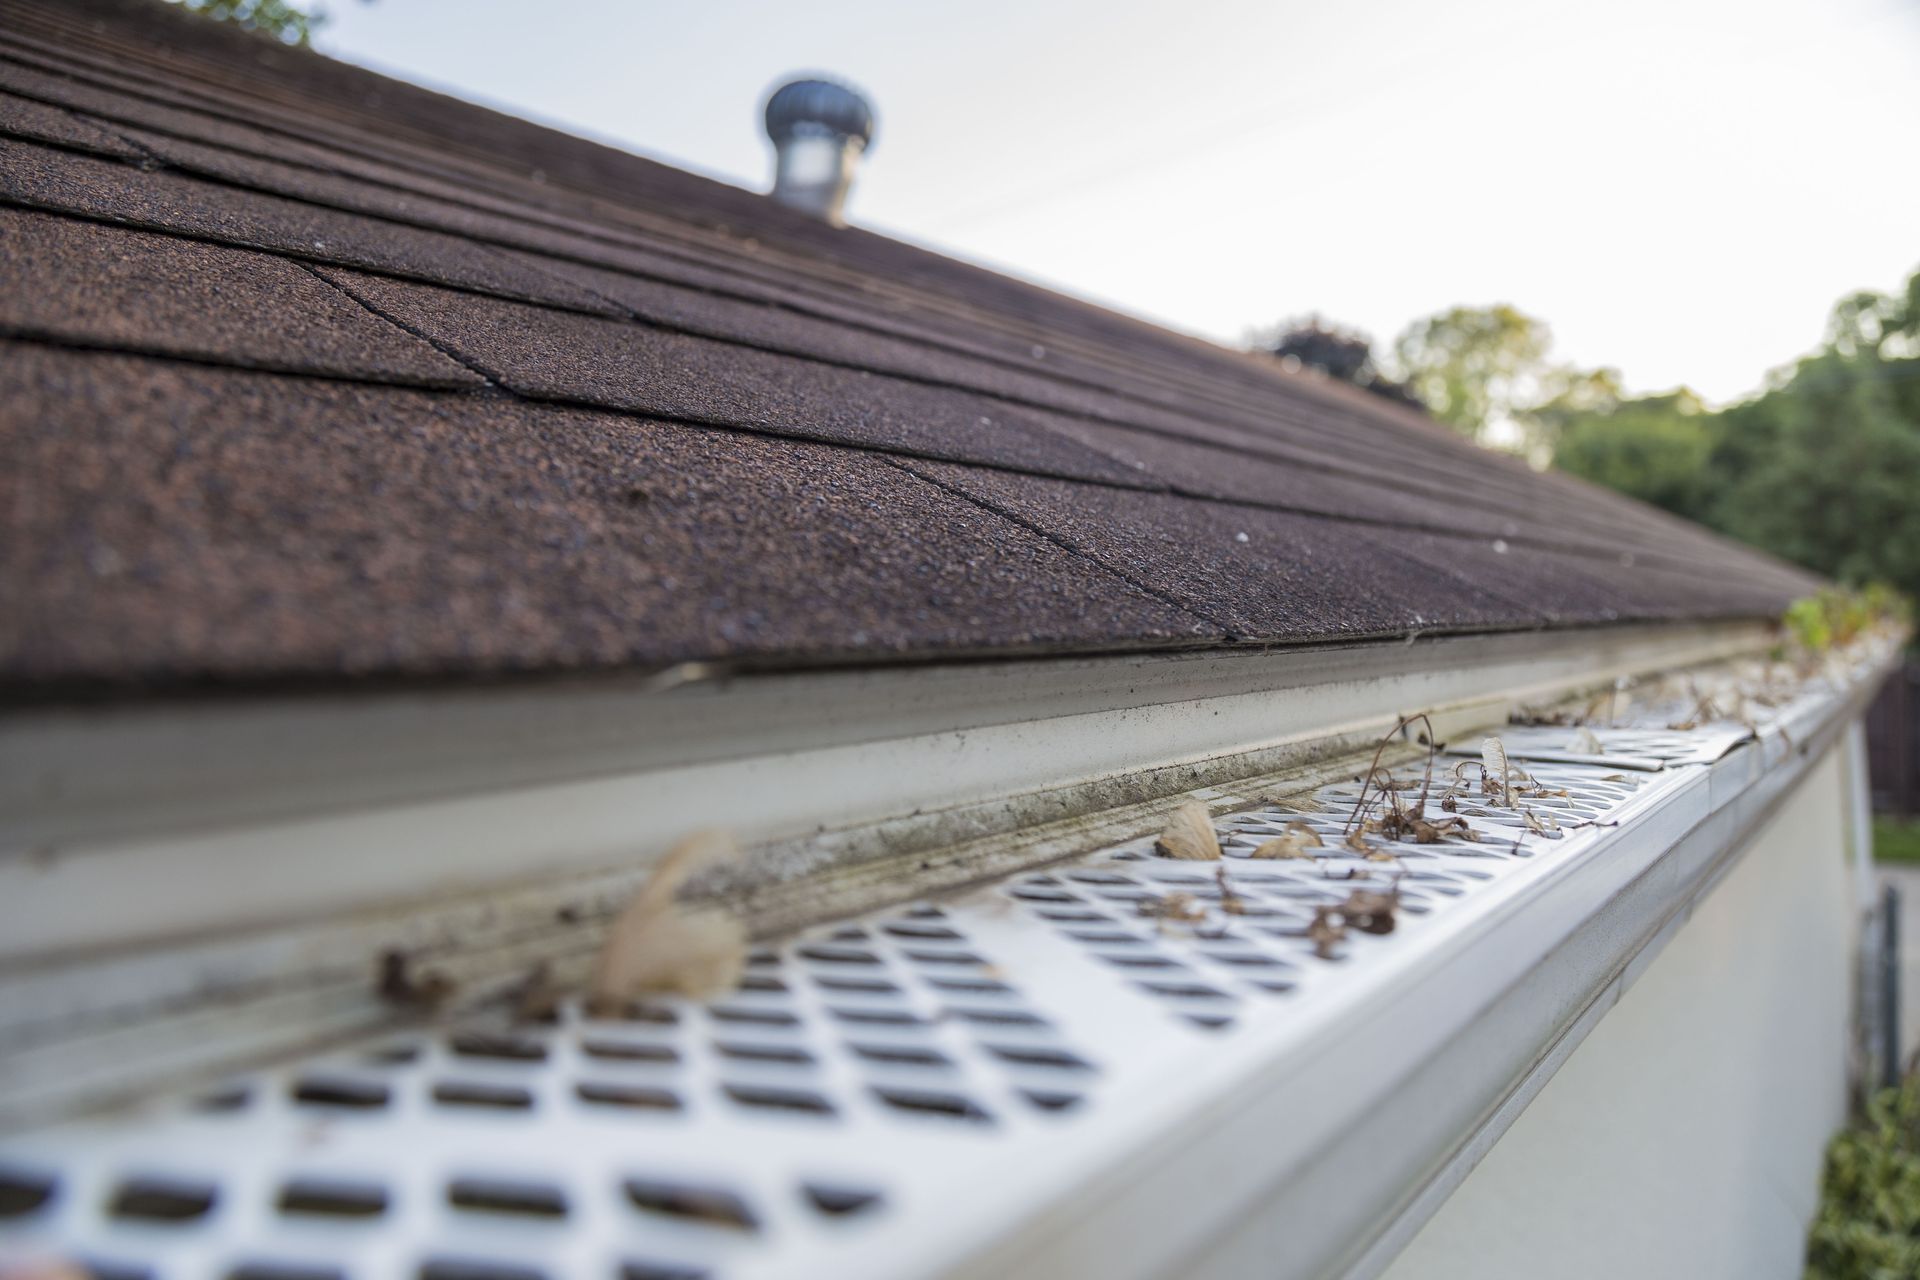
(1680, 187)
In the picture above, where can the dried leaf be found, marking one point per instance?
(1372, 779)
(659, 946)
(1293, 842)
(1704, 712)
(1426, 832)
(1370, 910)
(1183, 907)
(1540, 824)
(1493, 776)
(1326, 932)
(1230, 901)
(536, 997)
(1189, 835)
(1583, 743)
(400, 983)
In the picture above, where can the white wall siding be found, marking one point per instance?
(1684, 1137)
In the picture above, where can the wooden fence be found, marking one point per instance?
(1893, 743)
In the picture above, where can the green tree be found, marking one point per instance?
(284, 20)
(1341, 353)
(1821, 468)
(1653, 447)
(1478, 368)
(1824, 468)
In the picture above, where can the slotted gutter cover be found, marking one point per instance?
(963, 1087)
(1620, 748)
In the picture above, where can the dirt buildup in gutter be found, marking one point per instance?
(403, 983)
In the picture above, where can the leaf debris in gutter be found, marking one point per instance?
(1399, 819)
(1584, 743)
(1181, 907)
(1189, 835)
(403, 983)
(1293, 842)
(1608, 707)
(659, 946)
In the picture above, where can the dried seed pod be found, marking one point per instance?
(1370, 911)
(1493, 778)
(1293, 842)
(1326, 932)
(1583, 743)
(1183, 907)
(659, 946)
(1189, 835)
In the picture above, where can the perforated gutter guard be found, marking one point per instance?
(1024, 1078)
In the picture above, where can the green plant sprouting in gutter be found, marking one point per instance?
(1836, 616)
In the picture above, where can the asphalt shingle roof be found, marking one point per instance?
(309, 374)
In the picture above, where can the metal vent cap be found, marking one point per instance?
(816, 107)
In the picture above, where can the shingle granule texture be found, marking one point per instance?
(26, 118)
(554, 355)
(84, 283)
(367, 529)
(309, 375)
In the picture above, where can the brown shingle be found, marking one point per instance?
(360, 529)
(25, 118)
(1259, 574)
(904, 456)
(1265, 574)
(65, 182)
(556, 355)
(87, 283)
(1410, 479)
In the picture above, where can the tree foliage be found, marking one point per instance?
(285, 20)
(1345, 354)
(1868, 1225)
(1822, 468)
(1339, 353)
(1653, 447)
(1477, 367)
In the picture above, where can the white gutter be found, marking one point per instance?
(185, 887)
(115, 822)
(1315, 1135)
